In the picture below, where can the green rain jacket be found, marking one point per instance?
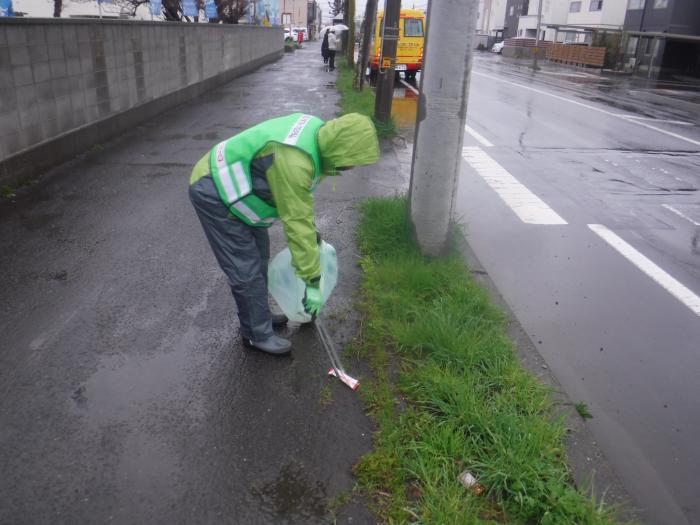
(350, 140)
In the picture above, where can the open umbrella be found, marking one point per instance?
(336, 27)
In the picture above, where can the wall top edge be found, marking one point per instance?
(21, 21)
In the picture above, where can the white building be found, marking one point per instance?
(553, 12)
(491, 17)
(572, 20)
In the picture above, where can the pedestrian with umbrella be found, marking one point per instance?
(332, 47)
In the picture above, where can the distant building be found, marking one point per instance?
(554, 12)
(491, 18)
(315, 18)
(574, 21)
(663, 38)
(514, 10)
(294, 13)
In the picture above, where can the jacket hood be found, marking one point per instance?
(348, 141)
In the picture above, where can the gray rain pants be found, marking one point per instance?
(242, 252)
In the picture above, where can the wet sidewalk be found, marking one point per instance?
(126, 394)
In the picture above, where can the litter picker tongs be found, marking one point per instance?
(337, 367)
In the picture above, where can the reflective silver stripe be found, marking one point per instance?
(241, 179)
(247, 212)
(225, 174)
(297, 129)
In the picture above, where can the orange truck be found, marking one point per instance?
(409, 52)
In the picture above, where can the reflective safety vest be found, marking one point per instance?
(231, 159)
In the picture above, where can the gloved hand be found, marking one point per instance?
(313, 299)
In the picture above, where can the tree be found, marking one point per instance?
(230, 11)
(350, 16)
(336, 6)
(132, 5)
(366, 33)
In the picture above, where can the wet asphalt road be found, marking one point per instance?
(125, 396)
(613, 337)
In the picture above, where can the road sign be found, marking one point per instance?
(189, 8)
(156, 7)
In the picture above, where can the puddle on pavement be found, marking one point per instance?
(404, 107)
(292, 494)
(125, 388)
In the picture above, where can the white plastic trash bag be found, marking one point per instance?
(288, 289)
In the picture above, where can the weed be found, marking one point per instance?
(338, 503)
(582, 410)
(8, 192)
(325, 396)
(449, 394)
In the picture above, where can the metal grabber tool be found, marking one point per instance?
(337, 367)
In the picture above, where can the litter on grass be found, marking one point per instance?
(467, 479)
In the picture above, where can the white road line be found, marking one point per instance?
(680, 214)
(478, 136)
(675, 288)
(409, 86)
(677, 122)
(593, 108)
(669, 133)
(526, 205)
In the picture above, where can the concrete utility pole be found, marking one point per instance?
(537, 37)
(385, 78)
(442, 112)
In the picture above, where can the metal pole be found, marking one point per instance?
(537, 37)
(385, 78)
(442, 112)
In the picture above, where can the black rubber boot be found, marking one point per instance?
(273, 345)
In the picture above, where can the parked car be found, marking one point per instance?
(292, 34)
(498, 47)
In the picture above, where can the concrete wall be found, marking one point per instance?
(66, 84)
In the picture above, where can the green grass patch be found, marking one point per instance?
(448, 395)
(352, 101)
(582, 409)
(8, 192)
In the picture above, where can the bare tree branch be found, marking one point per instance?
(336, 6)
(231, 11)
